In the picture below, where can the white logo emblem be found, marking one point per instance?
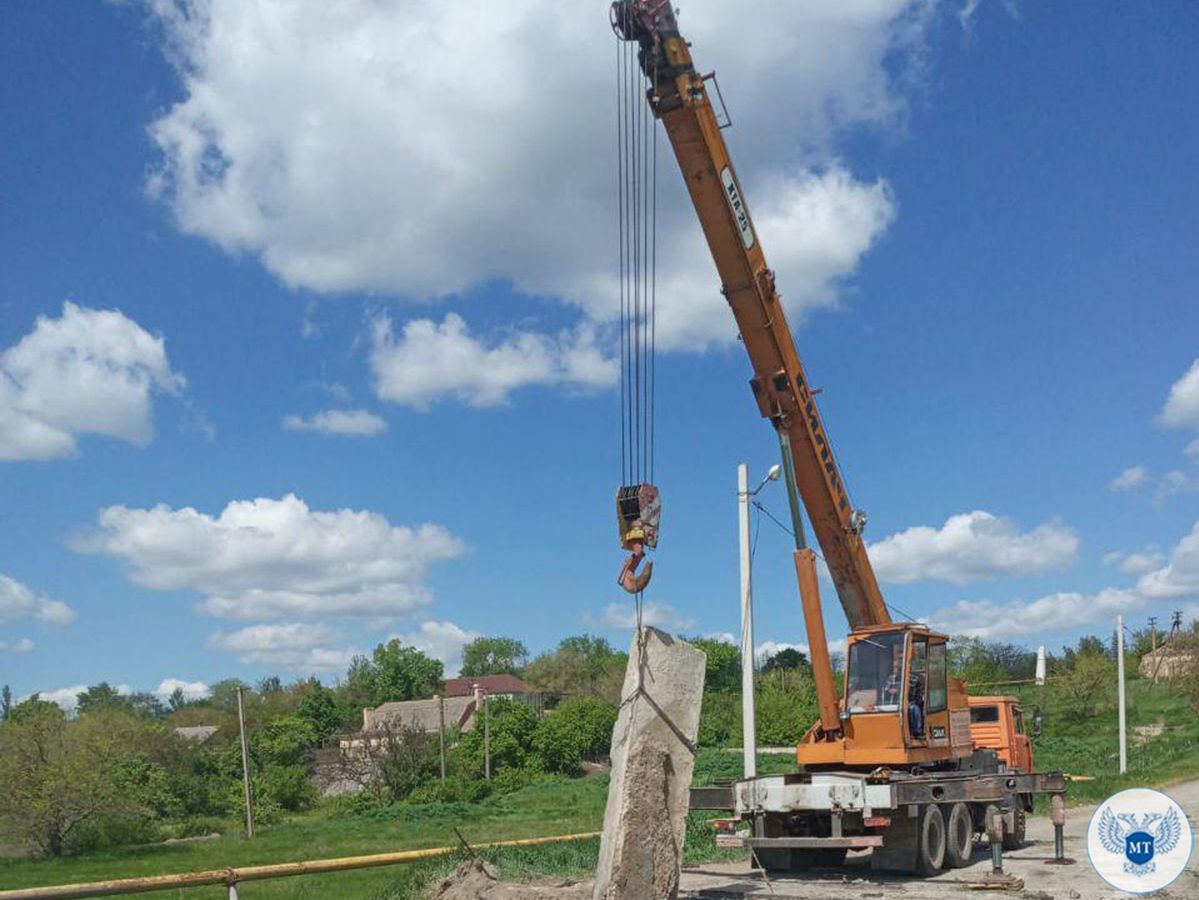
(1139, 840)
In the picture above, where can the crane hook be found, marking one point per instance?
(638, 513)
(630, 579)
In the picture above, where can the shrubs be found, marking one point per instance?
(580, 728)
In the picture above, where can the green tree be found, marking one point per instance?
(723, 669)
(223, 695)
(57, 776)
(100, 696)
(786, 660)
(5, 703)
(320, 707)
(394, 671)
(285, 741)
(493, 656)
(580, 728)
(1086, 689)
(513, 726)
(581, 664)
(34, 707)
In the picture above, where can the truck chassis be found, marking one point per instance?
(916, 822)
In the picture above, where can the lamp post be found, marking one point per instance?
(749, 740)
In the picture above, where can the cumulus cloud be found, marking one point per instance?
(347, 422)
(1063, 611)
(268, 558)
(1174, 581)
(429, 361)
(1178, 578)
(659, 615)
(1135, 563)
(334, 186)
(192, 690)
(21, 645)
(295, 646)
(19, 602)
(1192, 449)
(1182, 403)
(971, 546)
(86, 372)
(1130, 478)
(441, 640)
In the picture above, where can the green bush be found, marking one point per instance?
(581, 727)
(287, 787)
(513, 725)
(452, 790)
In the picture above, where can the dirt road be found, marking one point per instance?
(1041, 881)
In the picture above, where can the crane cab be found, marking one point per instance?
(899, 706)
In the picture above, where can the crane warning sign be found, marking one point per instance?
(733, 195)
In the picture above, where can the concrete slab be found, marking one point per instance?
(653, 755)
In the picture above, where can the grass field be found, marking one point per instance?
(547, 808)
(1086, 748)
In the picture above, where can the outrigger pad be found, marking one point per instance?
(638, 513)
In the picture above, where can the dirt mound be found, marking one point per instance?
(475, 880)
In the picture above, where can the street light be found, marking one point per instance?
(749, 739)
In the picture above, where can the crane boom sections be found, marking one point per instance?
(679, 98)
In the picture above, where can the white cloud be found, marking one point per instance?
(19, 602)
(296, 646)
(21, 645)
(269, 558)
(1174, 482)
(192, 690)
(659, 615)
(88, 371)
(1064, 611)
(339, 148)
(1192, 449)
(725, 637)
(1130, 478)
(348, 422)
(1182, 404)
(1135, 563)
(1179, 578)
(431, 361)
(971, 546)
(441, 640)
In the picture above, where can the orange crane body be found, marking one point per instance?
(892, 667)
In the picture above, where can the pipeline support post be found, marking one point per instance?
(1057, 814)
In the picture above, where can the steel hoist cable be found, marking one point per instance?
(638, 504)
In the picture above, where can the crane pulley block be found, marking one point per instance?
(638, 513)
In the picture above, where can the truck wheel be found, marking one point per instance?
(930, 855)
(1013, 830)
(959, 837)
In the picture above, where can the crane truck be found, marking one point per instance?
(892, 764)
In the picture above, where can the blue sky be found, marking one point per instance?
(983, 217)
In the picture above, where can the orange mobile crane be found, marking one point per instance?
(902, 714)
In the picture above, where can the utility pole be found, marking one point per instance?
(1152, 633)
(1120, 680)
(247, 787)
(441, 732)
(749, 739)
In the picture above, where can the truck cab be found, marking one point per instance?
(997, 723)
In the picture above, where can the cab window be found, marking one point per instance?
(938, 693)
(874, 679)
(984, 714)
